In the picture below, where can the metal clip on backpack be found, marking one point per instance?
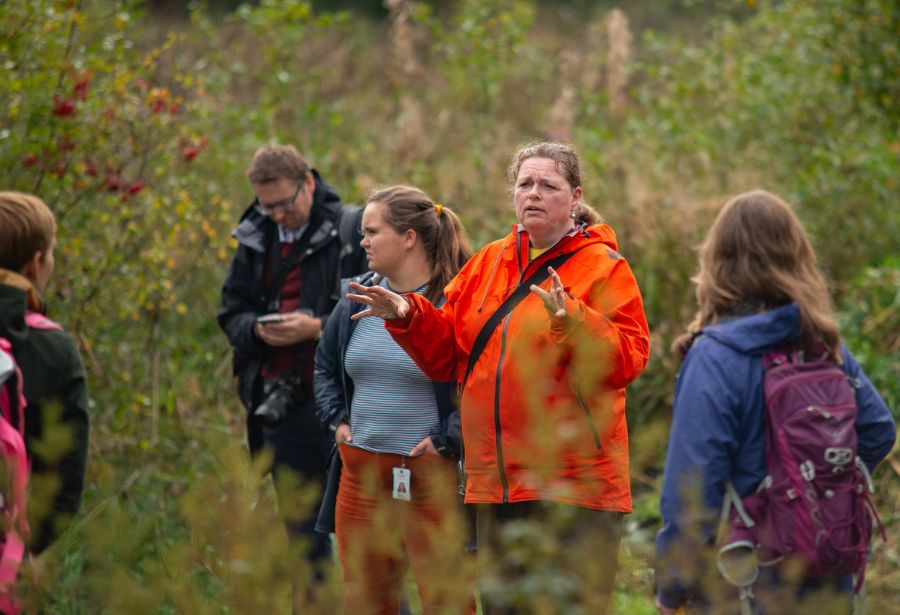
(814, 503)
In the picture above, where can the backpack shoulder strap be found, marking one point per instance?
(351, 221)
(508, 305)
(36, 320)
(7, 365)
(12, 391)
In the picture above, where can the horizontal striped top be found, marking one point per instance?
(393, 407)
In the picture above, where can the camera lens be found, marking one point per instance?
(276, 405)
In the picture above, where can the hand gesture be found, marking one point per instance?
(425, 447)
(554, 299)
(293, 328)
(381, 302)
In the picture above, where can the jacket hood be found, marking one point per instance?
(254, 227)
(756, 333)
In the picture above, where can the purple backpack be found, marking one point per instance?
(814, 503)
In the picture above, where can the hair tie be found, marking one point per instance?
(438, 208)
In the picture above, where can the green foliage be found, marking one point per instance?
(137, 133)
(870, 323)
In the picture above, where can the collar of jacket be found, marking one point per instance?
(369, 278)
(255, 228)
(33, 297)
(574, 239)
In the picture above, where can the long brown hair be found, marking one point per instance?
(757, 256)
(568, 164)
(439, 229)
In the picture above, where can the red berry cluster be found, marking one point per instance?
(67, 106)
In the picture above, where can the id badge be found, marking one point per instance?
(402, 489)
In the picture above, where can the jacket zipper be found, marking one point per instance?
(497, 431)
(590, 419)
(341, 351)
(497, 428)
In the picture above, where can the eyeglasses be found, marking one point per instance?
(282, 205)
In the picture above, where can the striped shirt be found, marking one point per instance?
(394, 407)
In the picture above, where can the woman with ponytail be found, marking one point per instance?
(396, 430)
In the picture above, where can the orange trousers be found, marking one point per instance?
(379, 538)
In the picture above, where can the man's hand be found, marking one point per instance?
(425, 447)
(296, 327)
(555, 299)
(382, 302)
(342, 434)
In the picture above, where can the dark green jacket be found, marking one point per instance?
(54, 387)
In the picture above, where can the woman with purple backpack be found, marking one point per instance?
(765, 333)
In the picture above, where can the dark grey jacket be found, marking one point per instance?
(322, 265)
(57, 397)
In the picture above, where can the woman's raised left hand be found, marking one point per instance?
(554, 299)
(381, 302)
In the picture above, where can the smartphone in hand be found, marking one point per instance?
(266, 319)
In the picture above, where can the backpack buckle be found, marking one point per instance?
(838, 456)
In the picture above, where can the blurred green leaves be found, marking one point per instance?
(137, 133)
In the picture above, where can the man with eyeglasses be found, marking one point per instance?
(283, 282)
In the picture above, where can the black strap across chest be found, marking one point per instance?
(508, 305)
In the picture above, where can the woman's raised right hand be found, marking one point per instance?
(380, 301)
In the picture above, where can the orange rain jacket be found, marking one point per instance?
(543, 411)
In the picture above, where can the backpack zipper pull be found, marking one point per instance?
(825, 414)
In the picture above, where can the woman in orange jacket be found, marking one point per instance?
(544, 329)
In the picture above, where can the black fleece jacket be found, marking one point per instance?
(57, 397)
(322, 266)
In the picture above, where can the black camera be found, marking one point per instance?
(279, 398)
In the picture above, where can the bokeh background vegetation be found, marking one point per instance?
(135, 122)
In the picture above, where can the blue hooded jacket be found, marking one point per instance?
(718, 431)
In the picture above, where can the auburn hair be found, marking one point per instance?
(442, 235)
(757, 256)
(27, 226)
